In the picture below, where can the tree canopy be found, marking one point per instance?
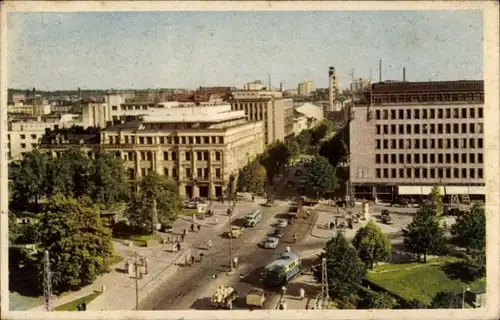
(469, 229)
(79, 245)
(379, 300)
(29, 181)
(139, 210)
(252, 178)
(335, 150)
(424, 234)
(321, 176)
(345, 270)
(372, 244)
(275, 159)
(446, 300)
(437, 201)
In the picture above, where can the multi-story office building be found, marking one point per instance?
(255, 85)
(305, 88)
(408, 136)
(199, 147)
(267, 106)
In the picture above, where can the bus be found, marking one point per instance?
(280, 271)
(253, 218)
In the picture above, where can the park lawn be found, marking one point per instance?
(138, 240)
(419, 281)
(71, 306)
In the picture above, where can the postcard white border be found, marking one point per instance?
(491, 133)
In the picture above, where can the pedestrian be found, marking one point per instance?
(288, 249)
(192, 227)
(209, 244)
(214, 276)
(198, 227)
(183, 236)
(235, 262)
(253, 198)
(336, 222)
(185, 232)
(302, 293)
(294, 238)
(283, 291)
(178, 246)
(193, 260)
(281, 307)
(201, 257)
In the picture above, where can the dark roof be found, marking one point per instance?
(71, 136)
(130, 125)
(429, 86)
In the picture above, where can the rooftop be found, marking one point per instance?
(428, 86)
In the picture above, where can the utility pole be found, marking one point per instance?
(231, 212)
(155, 218)
(136, 266)
(47, 281)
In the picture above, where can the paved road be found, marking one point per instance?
(192, 288)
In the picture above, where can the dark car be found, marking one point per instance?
(386, 219)
(269, 203)
(276, 233)
(400, 202)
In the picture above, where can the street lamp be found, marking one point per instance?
(463, 296)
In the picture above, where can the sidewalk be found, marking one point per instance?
(292, 296)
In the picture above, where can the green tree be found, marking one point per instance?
(415, 304)
(14, 230)
(335, 150)
(293, 147)
(345, 270)
(80, 246)
(304, 140)
(139, 210)
(372, 244)
(30, 178)
(469, 229)
(275, 159)
(109, 180)
(252, 178)
(424, 235)
(437, 201)
(321, 176)
(70, 174)
(446, 300)
(380, 300)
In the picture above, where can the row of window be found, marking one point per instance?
(456, 143)
(440, 128)
(432, 173)
(432, 113)
(23, 137)
(172, 173)
(172, 156)
(129, 107)
(167, 140)
(432, 158)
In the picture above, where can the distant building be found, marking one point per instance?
(198, 147)
(305, 88)
(360, 85)
(306, 116)
(255, 85)
(32, 110)
(267, 106)
(333, 88)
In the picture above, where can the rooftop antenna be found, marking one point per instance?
(380, 71)
(268, 81)
(404, 74)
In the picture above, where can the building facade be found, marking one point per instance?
(305, 88)
(269, 107)
(333, 87)
(407, 137)
(255, 85)
(197, 147)
(360, 85)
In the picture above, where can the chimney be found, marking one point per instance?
(34, 96)
(281, 86)
(404, 74)
(380, 71)
(79, 94)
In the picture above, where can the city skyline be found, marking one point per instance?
(53, 51)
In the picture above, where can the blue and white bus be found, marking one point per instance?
(280, 271)
(253, 218)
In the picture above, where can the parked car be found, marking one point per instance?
(385, 212)
(282, 223)
(400, 202)
(387, 219)
(269, 203)
(271, 243)
(277, 233)
(166, 228)
(256, 297)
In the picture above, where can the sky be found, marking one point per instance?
(104, 50)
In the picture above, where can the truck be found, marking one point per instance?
(282, 270)
(236, 232)
(224, 297)
(256, 297)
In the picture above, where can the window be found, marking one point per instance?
(440, 173)
(447, 128)
(401, 129)
(386, 158)
(408, 143)
(456, 158)
(440, 143)
(456, 113)
(416, 158)
(205, 173)
(424, 158)
(393, 144)
(416, 113)
(188, 155)
(408, 173)
(174, 172)
(386, 173)
(378, 173)
(378, 129)
(432, 129)
(472, 158)
(385, 114)
(464, 127)
(456, 173)
(408, 158)
(401, 144)
(479, 158)
(432, 173)
(165, 172)
(448, 173)
(463, 143)
(480, 173)
(432, 114)
(416, 143)
(174, 156)
(377, 114)
(217, 173)
(448, 113)
(480, 143)
(386, 129)
(416, 128)
(472, 128)
(472, 143)
(447, 143)
(464, 113)
(114, 108)
(393, 114)
(401, 158)
(424, 143)
(217, 156)
(472, 112)
(416, 172)
(165, 156)
(440, 158)
(432, 157)
(440, 128)
(424, 114)
(440, 114)
(393, 158)
(393, 173)
(188, 172)
(408, 114)
(386, 144)
(424, 173)
(464, 157)
(401, 114)
(199, 172)
(199, 156)
(455, 128)
(377, 158)
(23, 137)
(479, 115)
(401, 173)
(447, 158)
(408, 129)
(23, 145)
(393, 129)
(464, 173)
(456, 143)
(33, 136)
(377, 143)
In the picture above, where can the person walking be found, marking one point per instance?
(302, 293)
(198, 227)
(288, 249)
(192, 227)
(179, 246)
(183, 237)
(201, 257)
(235, 262)
(283, 291)
(193, 260)
(294, 238)
(209, 244)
